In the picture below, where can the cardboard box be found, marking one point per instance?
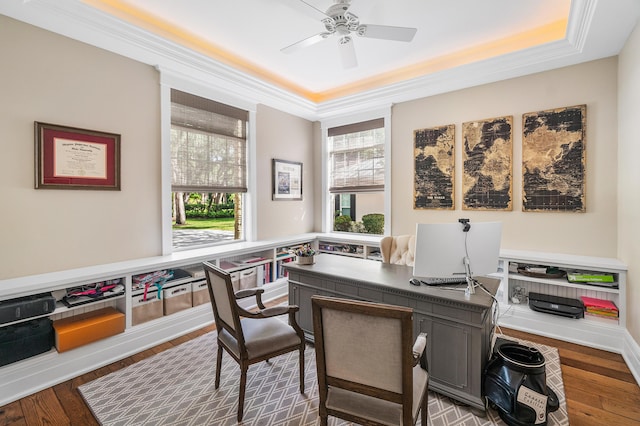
(72, 332)
(176, 298)
(143, 310)
(200, 293)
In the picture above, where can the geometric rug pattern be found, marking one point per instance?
(176, 387)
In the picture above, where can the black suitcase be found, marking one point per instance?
(26, 307)
(25, 339)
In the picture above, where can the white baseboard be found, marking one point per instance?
(631, 355)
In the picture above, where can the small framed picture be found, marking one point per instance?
(287, 180)
(71, 158)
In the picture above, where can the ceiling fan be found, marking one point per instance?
(339, 21)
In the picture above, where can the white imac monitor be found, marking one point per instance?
(456, 251)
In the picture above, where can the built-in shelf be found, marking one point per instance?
(601, 332)
(254, 263)
(41, 371)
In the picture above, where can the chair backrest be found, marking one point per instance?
(365, 348)
(223, 300)
(399, 250)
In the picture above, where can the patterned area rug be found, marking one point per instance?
(176, 387)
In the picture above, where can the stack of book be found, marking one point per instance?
(592, 278)
(600, 308)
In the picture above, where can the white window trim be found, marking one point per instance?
(325, 125)
(172, 80)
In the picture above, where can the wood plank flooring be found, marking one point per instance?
(600, 389)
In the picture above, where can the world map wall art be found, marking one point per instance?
(433, 155)
(487, 157)
(553, 160)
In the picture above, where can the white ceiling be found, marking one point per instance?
(457, 44)
(257, 30)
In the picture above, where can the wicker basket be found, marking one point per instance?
(306, 260)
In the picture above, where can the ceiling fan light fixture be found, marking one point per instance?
(353, 22)
(347, 52)
(344, 40)
(329, 24)
(342, 22)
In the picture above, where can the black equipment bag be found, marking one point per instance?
(515, 382)
(25, 339)
(26, 307)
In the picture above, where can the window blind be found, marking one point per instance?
(208, 145)
(356, 156)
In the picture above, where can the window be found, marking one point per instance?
(357, 176)
(209, 170)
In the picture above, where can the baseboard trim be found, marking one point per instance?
(631, 355)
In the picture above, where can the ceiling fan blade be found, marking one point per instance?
(347, 53)
(305, 43)
(306, 8)
(387, 32)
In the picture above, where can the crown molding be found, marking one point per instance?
(86, 24)
(581, 17)
(79, 21)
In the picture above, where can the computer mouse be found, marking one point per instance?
(414, 281)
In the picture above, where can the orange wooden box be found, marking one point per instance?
(79, 330)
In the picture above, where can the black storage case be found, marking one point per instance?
(26, 307)
(25, 339)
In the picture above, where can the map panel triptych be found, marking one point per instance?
(433, 157)
(553, 163)
(487, 158)
(553, 160)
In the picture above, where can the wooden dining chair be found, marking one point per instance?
(250, 337)
(370, 371)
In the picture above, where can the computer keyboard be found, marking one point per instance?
(443, 281)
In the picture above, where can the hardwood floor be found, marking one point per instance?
(599, 387)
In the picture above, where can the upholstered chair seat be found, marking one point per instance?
(250, 336)
(399, 250)
(370, 371)
(377, 410)
(261, 336)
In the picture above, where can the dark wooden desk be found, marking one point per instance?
(459, 327)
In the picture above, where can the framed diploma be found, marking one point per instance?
(71, 158)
